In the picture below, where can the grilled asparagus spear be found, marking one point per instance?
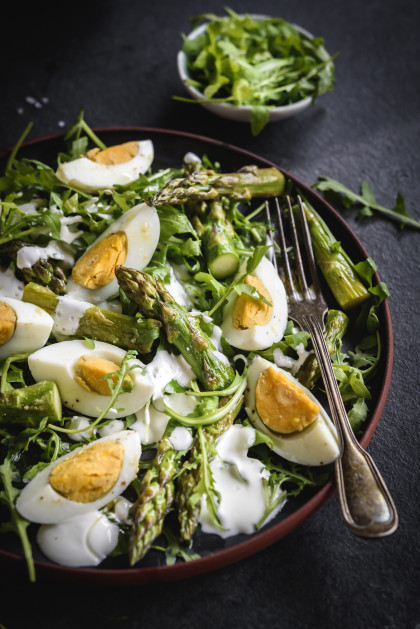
(28, 405)
(217, 237)
(203, 185)
(45, 272)
(155, 498)
(182, 329)
(334, 263)
(99, 324)
(335, 328)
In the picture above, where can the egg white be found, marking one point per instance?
(33, 328)
(142, 227)
(39, 502)
(259, 336)
(87, 175)
(57, 362)
(315, 445)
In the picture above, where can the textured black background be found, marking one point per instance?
(117, 61)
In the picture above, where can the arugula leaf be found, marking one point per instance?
(175, 548)
(251, 291)
(258, 63)
(16, 524)
(366, 201)
(257, 256)
(77, 138)
(357, 415)
(238, 284)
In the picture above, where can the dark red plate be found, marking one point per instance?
(170, 148)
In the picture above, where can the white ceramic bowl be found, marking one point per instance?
(240, 113)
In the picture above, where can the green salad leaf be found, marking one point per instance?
(366, 201)
(261, 63)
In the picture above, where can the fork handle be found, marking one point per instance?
(365, 502)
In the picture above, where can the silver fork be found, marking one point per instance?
(365, 502)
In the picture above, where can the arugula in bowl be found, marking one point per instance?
(253, 68)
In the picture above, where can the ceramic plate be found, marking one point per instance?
(170, 148)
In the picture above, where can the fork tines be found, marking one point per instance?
(306, 293)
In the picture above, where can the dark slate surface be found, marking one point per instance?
(117, 61)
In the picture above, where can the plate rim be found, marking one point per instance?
(259, 541)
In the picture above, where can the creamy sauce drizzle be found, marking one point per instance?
(10, 286)
(164, 368)
(67, 316)
(27, 256)
(239, 480)
(178, 292)
(83, 540)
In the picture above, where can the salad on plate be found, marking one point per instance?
(152, 386)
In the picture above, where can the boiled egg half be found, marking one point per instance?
(131, 241)
(116, 165)
(279, 406)
(84, 480)
(249, 323)
(80, 374)
(23, 327)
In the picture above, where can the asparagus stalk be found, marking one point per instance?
(334, 263)
(99, 324)
(185, 497)
(182, 329)
(45, 272)
(156, 496)
(335, 328)
(27, 406)
(203, 185)
(217, 235)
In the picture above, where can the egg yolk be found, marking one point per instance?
(96, 267)
(113, 155)
(90, 474)
(281, 404)
(247, 311)
(90, 372)
(8, 320)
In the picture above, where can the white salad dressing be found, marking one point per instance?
(216, 333)
(191, 158)
(222, 357)
(282, 360)
(178, 292)
(302, 354)
(65, 233)
(28, 208)
(27, 256)
(67, 316)
(166, 367)
(286, 362)
(84, 540)
(216, 337)
(150, 424)
(121, 509)
(116, 425)
(78, 422)
(152, 420)
(239, 480)
(181, 438)
(10, 286)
